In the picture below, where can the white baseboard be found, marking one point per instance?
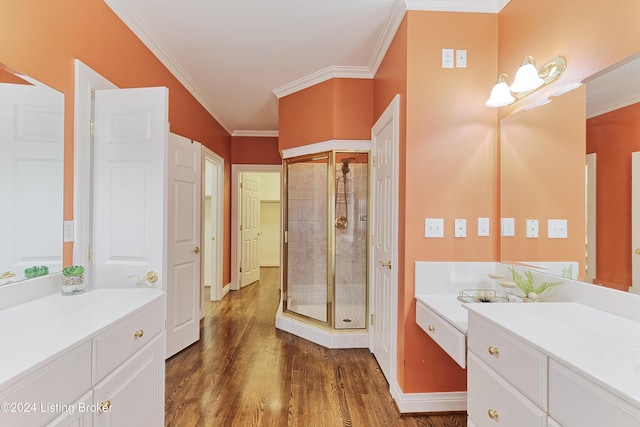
(411, 403)
(226, 289)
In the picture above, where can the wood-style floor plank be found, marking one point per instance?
(243, 372)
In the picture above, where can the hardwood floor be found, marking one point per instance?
(244, 372)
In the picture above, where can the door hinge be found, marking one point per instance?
(375, 161)
(240, 227)
(92, 127)
(240, 185)
(240, 269)
(372, 321)
(286, 237)
(90, 254)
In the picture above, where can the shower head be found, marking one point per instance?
(345, 164)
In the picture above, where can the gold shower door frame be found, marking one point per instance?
(330, 157)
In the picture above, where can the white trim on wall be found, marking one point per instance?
(86, 82)
(330, 145)
(217, 203)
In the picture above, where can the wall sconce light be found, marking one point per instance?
(527, 80)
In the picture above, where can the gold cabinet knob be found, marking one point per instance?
(196, 250)
(493, 350)
(104, 406)
(637, 251)
(431, 328)
(139, 333)
(493, 414)
(7, 274)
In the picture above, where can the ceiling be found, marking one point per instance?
(237, 57)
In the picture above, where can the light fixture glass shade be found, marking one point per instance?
(527, 78)
(500, 95)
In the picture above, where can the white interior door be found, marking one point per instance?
(250, 229)
(383, 268)
(213, 215)
(183, 243)
(635, 222)
(31, 173)
(129, 203)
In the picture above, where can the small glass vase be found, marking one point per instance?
(72, 285)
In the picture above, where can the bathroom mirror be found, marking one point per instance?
(31, 177)
(552, 178)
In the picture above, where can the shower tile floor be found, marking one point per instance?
(350, 311)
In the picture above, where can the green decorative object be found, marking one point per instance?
(73, 280)
(36, 271)
(526, 284)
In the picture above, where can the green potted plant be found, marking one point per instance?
(73, 280)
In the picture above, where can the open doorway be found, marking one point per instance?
(256, 221)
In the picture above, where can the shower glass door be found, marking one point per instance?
(306, 241)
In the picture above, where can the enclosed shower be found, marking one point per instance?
(325, 239)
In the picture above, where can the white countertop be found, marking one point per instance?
(601, 346)
(449, 307)
(37, 330)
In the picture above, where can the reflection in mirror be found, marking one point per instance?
(541, 179)
(31, 177)
(613, 135)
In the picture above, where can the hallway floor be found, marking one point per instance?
(244, 372)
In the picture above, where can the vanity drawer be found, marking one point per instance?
(444, 334)
(127, 336)
(42, 394)
(520, 364)
(588, 404)
(493, 401)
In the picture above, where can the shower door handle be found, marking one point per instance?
(385, 264)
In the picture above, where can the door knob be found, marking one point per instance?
(385, 264)
(637, 251)
(151, 277)
(196, 250)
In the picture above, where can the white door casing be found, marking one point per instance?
(590, 215)
(213, 175)
(183, 242)
(250, 229)
(129, 203)
(635, 222)
(384, 240)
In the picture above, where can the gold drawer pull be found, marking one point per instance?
(431, 328)
(493, 414)
(138, 333)
(104, 406)
(493, 351)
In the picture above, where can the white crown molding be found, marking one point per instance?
(473, 6)
(631, 98)
(398, 10)
(328, 73)
(135, 24)
(257, 133)
(330, 145)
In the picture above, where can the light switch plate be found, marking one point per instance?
(447, 58)
(508, 227)
(67, 233)
(434, 227)
(558, 229)
(532, 228)
(460, 229)
(461, 58)
(483, 227)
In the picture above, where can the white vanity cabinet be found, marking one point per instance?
(93, 359)
(450, 338)
(552, 364)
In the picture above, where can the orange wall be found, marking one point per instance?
(42, 38)
(252, 150)
(542, 169)
(334, 109)
(450, 171)
(613, 137)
